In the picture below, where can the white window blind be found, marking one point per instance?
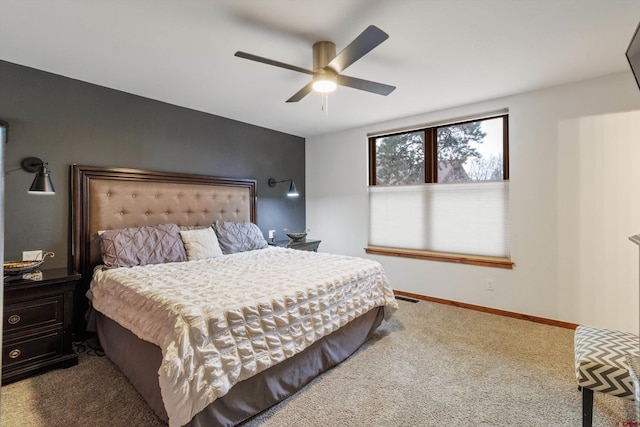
(464, 218)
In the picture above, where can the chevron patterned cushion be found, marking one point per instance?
(600, 360)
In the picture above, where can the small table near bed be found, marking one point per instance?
(37, 324)
(302, 245)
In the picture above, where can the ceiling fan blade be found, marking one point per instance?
(369, 86)
(268, 61)
(371, 37)
(301, 93)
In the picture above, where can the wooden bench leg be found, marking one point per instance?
(587, 407)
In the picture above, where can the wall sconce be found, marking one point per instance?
(42, 182)
(293, 191)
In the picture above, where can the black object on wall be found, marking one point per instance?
(67, 121)
(633, 54)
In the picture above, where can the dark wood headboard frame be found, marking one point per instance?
(84, 178)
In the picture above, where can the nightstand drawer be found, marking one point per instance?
(31, 349)
(38, 313)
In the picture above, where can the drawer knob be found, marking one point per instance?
(13, 319)
(14, 354)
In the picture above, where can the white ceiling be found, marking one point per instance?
(440, 53)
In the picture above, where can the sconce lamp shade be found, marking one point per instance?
(42, 182)
(293, 191)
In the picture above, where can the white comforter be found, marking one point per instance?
(221, 320)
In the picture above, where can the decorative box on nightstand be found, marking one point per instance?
(38, 322)
(303, 245)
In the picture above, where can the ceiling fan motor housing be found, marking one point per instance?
(323, 53)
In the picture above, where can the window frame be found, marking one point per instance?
(430, 168)
(431, 148)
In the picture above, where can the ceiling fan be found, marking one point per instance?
(327, 66)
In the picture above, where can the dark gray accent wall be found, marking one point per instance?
(65, 121)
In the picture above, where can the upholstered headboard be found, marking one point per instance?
(110, 198)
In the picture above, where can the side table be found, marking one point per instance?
(37, 324)
(302, 245)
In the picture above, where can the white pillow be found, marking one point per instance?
(201, 243)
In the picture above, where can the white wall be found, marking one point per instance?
(574, 201)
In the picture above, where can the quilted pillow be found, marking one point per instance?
(128, 247)
(201, 243)
(239, 236)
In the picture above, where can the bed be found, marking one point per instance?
(212, 340)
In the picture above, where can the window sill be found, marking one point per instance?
(483, 261)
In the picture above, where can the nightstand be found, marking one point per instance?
(303, 245)
(38, 322)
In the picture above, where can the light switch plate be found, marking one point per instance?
(32, 255)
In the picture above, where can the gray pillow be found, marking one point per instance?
(128, 247)
(239, 236)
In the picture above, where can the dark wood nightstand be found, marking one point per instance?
(38, 322)
(303, 245)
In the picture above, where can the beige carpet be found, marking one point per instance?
(432, 365)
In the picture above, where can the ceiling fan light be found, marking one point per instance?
(324, 85)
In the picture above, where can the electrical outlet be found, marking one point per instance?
(31, 255)
(272, 234)
(490, 285)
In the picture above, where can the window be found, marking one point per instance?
(459, 152)
(441, 192)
